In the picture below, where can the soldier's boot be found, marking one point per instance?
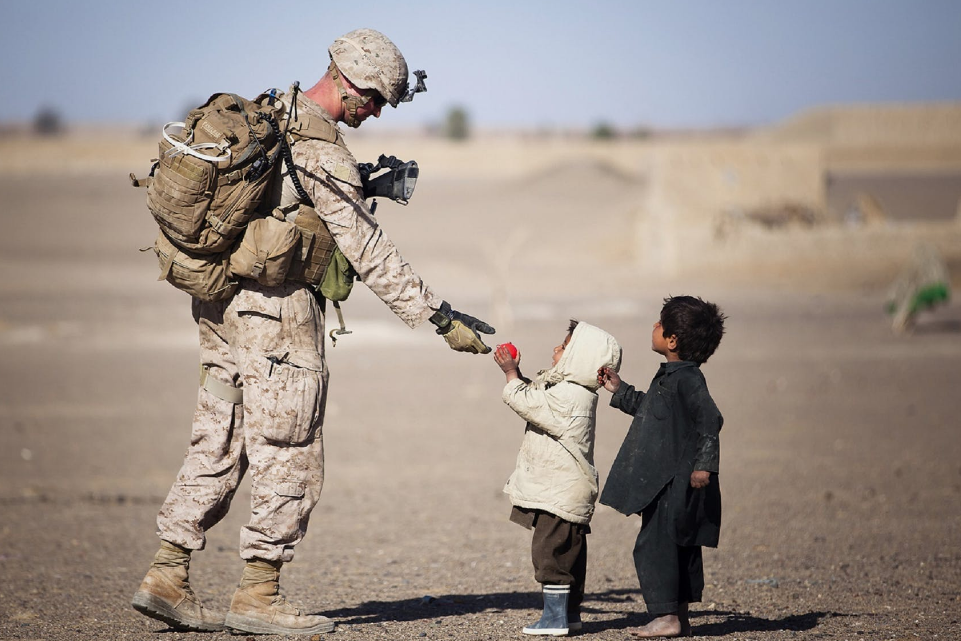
(165, 593)
(258, 607)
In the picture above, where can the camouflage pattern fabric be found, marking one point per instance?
(331, 178)
(270, 342)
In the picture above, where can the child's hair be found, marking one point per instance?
(697, 324)
(570, 328)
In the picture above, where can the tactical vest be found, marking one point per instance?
(206, 191)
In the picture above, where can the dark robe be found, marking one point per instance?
(674, 432)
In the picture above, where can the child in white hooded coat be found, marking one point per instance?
(554, 486)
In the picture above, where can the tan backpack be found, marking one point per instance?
(209, 183)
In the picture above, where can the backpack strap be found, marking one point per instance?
(168, 263)
(140, 182)
(307, 128)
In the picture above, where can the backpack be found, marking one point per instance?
(209, 182)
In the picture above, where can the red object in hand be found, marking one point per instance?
(510, 348)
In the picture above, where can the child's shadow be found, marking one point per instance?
(430, 607)
(738, 622)
(733, 621)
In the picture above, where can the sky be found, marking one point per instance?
(509, 63)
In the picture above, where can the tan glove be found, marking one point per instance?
(462, 332)
(463, 339)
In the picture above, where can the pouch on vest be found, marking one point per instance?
(339, 278)
(320, 263)
(205, 277)
(266, 251)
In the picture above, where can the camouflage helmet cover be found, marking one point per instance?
(371, 61)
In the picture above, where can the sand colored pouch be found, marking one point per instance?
(202, 276)
(265, 251)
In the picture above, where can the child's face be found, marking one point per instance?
(559, 350)
(660, 344)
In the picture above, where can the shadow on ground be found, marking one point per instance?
(431, 607)
(940, 326)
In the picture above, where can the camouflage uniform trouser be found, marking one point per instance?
(269, 341)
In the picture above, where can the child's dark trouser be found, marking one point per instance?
(559, 553)
(669, 573)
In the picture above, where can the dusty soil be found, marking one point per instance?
(841, 462)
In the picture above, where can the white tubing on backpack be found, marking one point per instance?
(186, 148)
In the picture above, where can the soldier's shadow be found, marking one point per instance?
(604, 603)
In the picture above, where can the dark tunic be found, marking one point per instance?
(674, 432)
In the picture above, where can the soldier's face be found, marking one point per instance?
(374, 104)
(374, 101)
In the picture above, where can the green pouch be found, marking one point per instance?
(339, 278)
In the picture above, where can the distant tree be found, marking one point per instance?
(48, 122)
(603, 131)
(457, 125)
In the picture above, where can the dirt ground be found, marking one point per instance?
(840, 472)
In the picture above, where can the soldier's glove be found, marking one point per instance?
(460, 330)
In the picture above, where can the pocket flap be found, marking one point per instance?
(292, 489)
(306, 359)
(252, 302)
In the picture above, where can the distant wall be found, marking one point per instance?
(693, 186)
(693, 219)
(917, 124)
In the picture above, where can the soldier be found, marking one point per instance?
(261, 403)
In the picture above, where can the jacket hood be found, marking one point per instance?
(590, 349)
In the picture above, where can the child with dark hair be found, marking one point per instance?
(554, 485)
(666, 469)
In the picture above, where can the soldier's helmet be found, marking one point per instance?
(371, 61)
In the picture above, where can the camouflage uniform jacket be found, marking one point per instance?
(329, 174)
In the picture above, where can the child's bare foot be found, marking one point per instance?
(668, 625)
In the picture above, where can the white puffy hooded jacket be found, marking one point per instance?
(555, 466)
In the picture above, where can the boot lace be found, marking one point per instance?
(280, 602)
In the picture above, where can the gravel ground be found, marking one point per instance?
(841, 465)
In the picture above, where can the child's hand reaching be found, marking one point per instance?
(700, 478)
(508, 364)
(608, 379)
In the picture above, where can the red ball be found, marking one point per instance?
(510, 348)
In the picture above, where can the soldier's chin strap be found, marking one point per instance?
(351, 103)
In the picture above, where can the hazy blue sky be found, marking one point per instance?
(534, 63)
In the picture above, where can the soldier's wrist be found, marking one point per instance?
(443, 318)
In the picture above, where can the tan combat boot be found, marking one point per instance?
(259, 608)
(165, 594)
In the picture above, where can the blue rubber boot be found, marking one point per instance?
(553, 621)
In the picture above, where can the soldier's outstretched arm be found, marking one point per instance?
(461, 331)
